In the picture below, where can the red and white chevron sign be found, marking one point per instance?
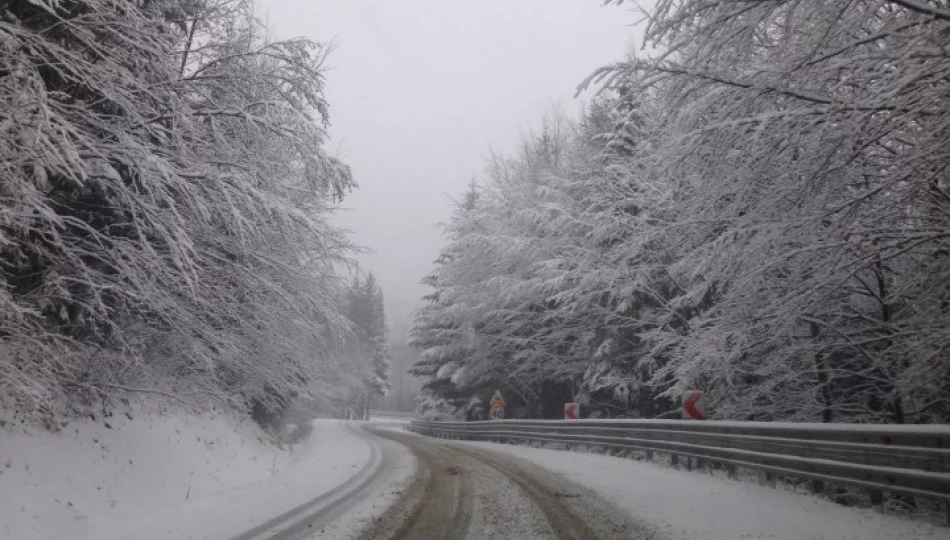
(693, 406)
(572, 411)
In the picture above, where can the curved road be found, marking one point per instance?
(464, 492)
(457, 492)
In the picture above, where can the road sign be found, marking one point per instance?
(496, 399)
(694, 407)
(572, 411)
(497, 409)
(496, 413)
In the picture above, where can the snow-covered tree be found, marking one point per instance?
(805, 143)
(366, 350)
(527, 294)
(163, 213)
(759, 211)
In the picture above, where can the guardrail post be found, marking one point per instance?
(649, 454)
(732, 471)
(877, 496)
(674, 460)
(767, 478)
(817, 486)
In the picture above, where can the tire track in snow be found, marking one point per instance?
(439, 503)
(436, 505)
(306, 519)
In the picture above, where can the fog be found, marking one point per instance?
(422, 90)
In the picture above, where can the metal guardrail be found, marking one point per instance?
(911, 460)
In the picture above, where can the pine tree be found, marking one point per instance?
(367, 349)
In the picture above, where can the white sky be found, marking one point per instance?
(419, 91)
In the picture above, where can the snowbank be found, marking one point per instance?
(692, 506)
(328, 458)
(115, 469)
(163, 477)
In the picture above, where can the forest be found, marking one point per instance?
(755, 204)
(164, 216)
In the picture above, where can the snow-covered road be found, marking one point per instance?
(464, 492)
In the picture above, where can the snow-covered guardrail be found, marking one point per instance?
(912, 460)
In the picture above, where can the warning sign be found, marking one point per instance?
(496, 409)
(694, 407)
(496, 399)
(572, 411)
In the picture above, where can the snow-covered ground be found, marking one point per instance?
(685, 505)
(164, 477)
(98, 472)
(213, 478)
(327, 459)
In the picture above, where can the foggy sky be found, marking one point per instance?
(420, 90)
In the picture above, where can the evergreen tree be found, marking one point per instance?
(367, 349)
(759, 212)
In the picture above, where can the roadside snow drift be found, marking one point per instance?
(162, 477)
(115, 469)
